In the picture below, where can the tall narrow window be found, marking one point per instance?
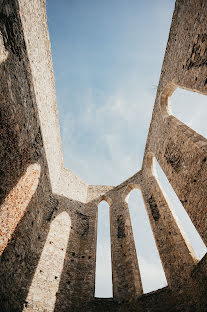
(103, 285)
(179, 212)
(45, 283)
(190, 107)
(151, 270)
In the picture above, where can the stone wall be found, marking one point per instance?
(49, 216)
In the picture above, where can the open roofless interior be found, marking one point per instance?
(50, 218)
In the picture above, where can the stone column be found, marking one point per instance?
(127, 283)
(176, 254)
(87, 230)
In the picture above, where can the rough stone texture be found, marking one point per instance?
(49, 216)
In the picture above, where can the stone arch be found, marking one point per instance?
(148, 164)
(165, 99)
(189, 108)
(130, 187)
(105, 198)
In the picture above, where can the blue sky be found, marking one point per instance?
(107, 58)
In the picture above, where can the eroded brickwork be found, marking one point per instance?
(49, 216)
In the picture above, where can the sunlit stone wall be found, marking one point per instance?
(49, 215)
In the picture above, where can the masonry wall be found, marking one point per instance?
(21, 148)
(49, 216)
(27, 200)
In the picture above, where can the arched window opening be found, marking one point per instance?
(103, 284)
(179, 212)
(45, 283)
(151, 270)
(190, 108)
(16, 202)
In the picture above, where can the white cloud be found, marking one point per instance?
(113, 130)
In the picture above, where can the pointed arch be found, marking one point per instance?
(103, 282)
(105, 198)
(187, 106)
(165, 99)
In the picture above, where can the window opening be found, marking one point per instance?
(179, 212)
(103, 284)
(190, 108)
(151, 270)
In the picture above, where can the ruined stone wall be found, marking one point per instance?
(25, 185)
(49, 216)
(34, 24)
(27, 188)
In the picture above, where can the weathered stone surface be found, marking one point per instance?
(48, 215)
